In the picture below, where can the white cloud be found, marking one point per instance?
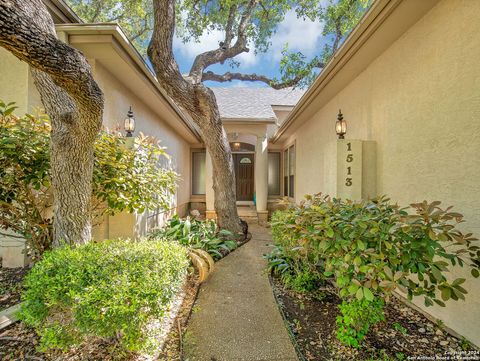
(206, 42)
(301, 35)
(210, 41)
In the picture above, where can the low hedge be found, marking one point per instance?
(110, 290)
(368, 249)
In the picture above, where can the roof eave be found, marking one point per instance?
(59, 7)
(249, 120)
(115, 30)
(367, 26)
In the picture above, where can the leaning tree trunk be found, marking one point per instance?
(199, 101)
(74, 103)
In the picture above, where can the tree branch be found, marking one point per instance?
(66, 66)
(229, 28)
(160, 52)
(204, 60)
(229, 76)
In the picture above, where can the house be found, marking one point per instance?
(407, 82)
(127, 81)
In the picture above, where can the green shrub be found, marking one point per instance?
(356, 318)
(368, 249)
(111, 290)
(198, 234)
(124, 178)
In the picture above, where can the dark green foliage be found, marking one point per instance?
(198, 234)
(124, 178)
(368, 249)
(356, 318)
(111, 290)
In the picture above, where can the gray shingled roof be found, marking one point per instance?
(253, 103)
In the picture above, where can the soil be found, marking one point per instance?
(11, 280)
(405, 333)
(19, 342)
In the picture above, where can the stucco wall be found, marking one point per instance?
(118, 98)
(16, 84)
(420, 101)
(13, 81)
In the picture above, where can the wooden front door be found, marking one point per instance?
(244, 176)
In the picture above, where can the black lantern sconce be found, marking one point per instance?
(129, 123)
(340, 126)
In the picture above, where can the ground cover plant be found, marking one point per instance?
(369, 249)
(131, 179)
(197, 234)
(112, 291)
(404, 333)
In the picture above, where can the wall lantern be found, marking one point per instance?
(340, 126)
(130, 123)
(236, 146)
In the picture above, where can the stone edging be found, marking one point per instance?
(8, 316)
(300, 355)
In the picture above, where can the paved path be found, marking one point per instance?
(235, 317)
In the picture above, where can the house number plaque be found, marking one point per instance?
(349, 169)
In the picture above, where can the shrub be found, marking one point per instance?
(111, 290)
(356, 318)
(124, 179)
(368, 249)
(197, 234)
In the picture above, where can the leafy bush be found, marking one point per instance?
(124, 178)
(197, 234)
(294, 274)
(111, 290)
(368, 249)
(356, 318)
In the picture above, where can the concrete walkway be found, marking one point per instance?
(235, 317)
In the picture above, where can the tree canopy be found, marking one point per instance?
(195, 18)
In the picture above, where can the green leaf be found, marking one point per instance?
(359, 294)
(368, 294)
(446, 292)
(360, 245)
(475, 272)
(330, 232)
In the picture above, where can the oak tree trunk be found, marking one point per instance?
(74, 103)
(199, 102)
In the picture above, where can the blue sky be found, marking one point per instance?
(301, 35)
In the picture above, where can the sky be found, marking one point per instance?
(301, 35)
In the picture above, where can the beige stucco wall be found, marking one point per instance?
(13, 81)
(118, 98)
(16, 84)
(420, 102)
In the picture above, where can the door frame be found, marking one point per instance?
(246, 203)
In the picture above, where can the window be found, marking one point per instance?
(289, 171)
(198, 172)
(274, 174)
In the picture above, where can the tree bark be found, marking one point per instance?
(74, 103)
(200, 103)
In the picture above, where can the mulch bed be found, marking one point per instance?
(405, 333)
(11, 280)
(19, 342)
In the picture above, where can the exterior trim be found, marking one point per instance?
(249, 120)
(120, 39)
(62, 11)
(368, 26)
